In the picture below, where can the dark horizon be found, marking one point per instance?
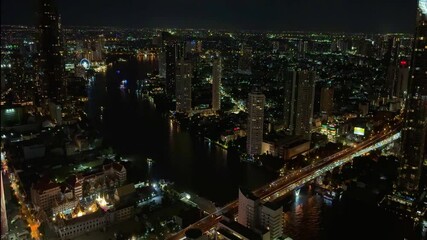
(332, 16)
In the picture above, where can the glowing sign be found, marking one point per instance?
(422, 4)
(359, 131)
(85, 63)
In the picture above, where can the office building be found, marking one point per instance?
(265, 219)
(272, 219)
(401, 82)
(415, 123)
(256, 103)
(184, 74)
(216, 84)
(299, 101)
(245, 60)
(326, 100)
(170, 59)
(162, 64)
(248, 209)
(50, 52)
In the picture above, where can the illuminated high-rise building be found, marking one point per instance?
(255, 129)
(50, 52)
(184, 74)
(415, 118)
(216, 84)
(401, 81)
(299, 101)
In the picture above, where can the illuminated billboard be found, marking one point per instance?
(359, 131)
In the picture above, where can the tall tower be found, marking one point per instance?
(256, 103)
(4, 222)
(299, 101)
(401, 84)
(170, 61)
(245, 60)
(50, 52)
(326, 100)
(162, 64)
(216, 84)
(415, 124)
(184, 74)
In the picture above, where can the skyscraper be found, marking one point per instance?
(162, 64)
(167, 61)
(256, 103)
(184, 74)
(326, 100)
(216, 84)
(50, 52)
(401, 82)
(170, 60)
(415, 118)
(245, 60)
(299, 101)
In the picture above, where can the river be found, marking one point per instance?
(137, 131)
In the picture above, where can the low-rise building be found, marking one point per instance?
(70, 228)
(232, 230)
(44, 193)
(286, 147)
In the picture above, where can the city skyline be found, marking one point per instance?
(325, 16)
(150, 133)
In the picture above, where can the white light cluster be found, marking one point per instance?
(422, 4)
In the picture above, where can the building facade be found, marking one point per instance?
(255, 128)
(326, 100)
(245, 60)
(50, 52)
(170, 62)
(183, 86)
(415, 118)
(299, 101)
(272, 219)
(265, 218)
(44, 193)
(248, 209)
(216, 84)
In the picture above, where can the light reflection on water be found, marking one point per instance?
(304, 212)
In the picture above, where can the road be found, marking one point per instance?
(285, 184)
(25, 211)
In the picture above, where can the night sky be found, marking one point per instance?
(305, 15)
